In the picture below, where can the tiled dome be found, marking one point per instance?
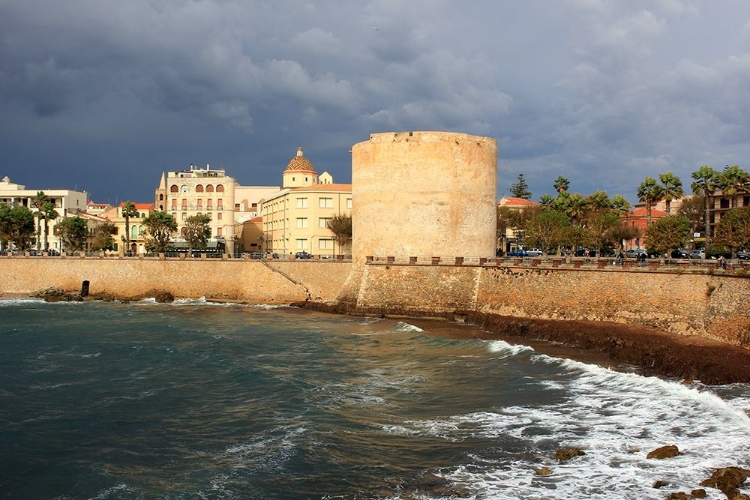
(300, 163)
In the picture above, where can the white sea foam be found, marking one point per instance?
(502, 347)
(20, 302)
(267, 451)
(406, 327)
(616, 418)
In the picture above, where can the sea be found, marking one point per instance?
(109, 400)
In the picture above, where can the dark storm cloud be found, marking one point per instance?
(104, 95)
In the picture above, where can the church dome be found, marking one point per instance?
(300, 164)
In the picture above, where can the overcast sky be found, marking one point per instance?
(103, 96)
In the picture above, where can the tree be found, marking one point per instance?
(619, 204)
(672, 189)
(17, 226)
(548, 229)
(649, 192)
(73, 232)
(159, 229)
(561, 184)
(48, 213)
(668, 233)
(576, 208)
(341, 227)
(598, 225)
(38, 203)
(547, 202)
(693, 208)
(705, 182)
(128, 211)
(520, 189)
(733, 181)
(197, 231)
(620, 232)
(733, 230)
(103, 237)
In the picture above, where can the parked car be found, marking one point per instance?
(303, 255)
(257, 255)
(742, 255)
(517, 253)
(534, 252)
(679, 253)
(697, 254)
(636, 253)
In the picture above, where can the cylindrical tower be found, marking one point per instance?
(424, 194)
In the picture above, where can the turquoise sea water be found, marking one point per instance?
(198, 400)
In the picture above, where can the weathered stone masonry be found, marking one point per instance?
(710, 305)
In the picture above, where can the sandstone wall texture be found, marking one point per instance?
(423, 194)
(272, 282)
(709, 305)
(687, 304)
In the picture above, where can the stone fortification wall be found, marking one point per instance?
(711, 305)
(272, 282)
(694, 304)
(424, 193)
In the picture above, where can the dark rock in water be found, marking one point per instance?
(543, 471)
(57, 295)
(669, 451)
(660, 484)
(728, 480)
(565, 454)
(164, 296)
(699, 493)
(679, 495)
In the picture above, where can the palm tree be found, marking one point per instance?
(649, 192)
(705, 182)
(576, 208)
(341, 227)
(672, 186)
(561, 184)
(128, 211)
(546, 201)
(39, 202)
(48, 213)
(733, 180)
(619, 204)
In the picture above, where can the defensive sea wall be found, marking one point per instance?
(707, 303)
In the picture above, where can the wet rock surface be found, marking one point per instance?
(57, 295)
(663, 452)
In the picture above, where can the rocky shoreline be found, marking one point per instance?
(619, 346)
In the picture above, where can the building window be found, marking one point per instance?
(325, 244)
(325, 202)
(724, 203)
(219, 231)
(174, 188)
(301, 202)
(174, 203)
(161, 197)
(302, 222)
(199, 188)
(209, 189)
(184, 216)
(218, 216)
(301, 244)
(349, 203)
(220, 204)
(200, 203)
(220, 188)
(323, 222)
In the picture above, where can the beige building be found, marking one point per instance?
(511, 238)
(296, 218)
(67, 204)
(199, 191)
(424, 194)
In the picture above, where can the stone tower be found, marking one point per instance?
(424, 194)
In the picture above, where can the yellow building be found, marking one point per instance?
(137, 240)
(296, 218)
(198, 191)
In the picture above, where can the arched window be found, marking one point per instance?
(220, 188)
(174, 189)
(199, 188)
(161, 197)
(209, 189)
(183, 231)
